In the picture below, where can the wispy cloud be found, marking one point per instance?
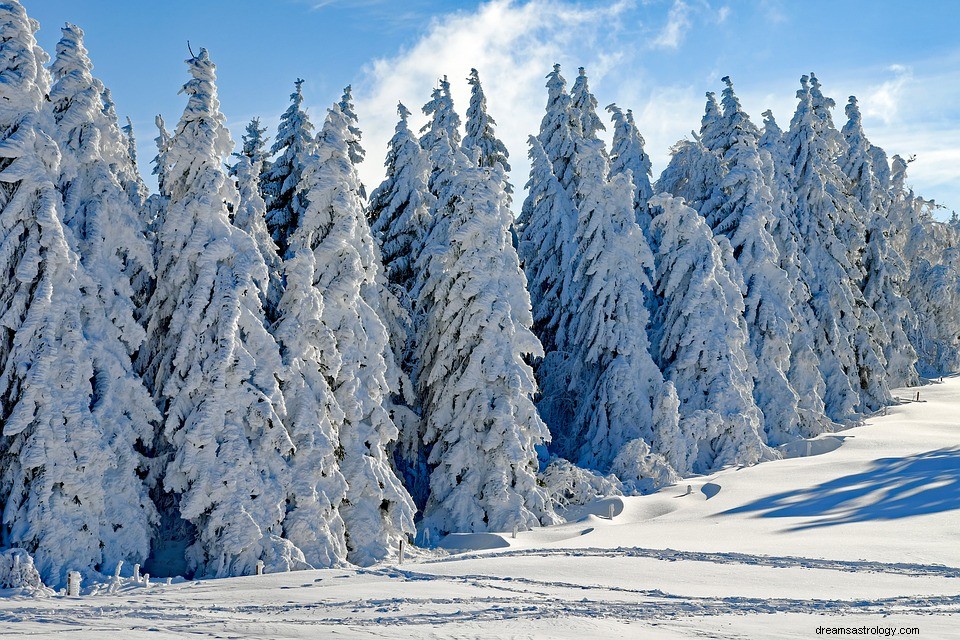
(884, 101)
(513, 45)
(678, 23)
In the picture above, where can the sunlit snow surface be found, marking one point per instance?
(864, 534)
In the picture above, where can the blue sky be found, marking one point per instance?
(902, 60)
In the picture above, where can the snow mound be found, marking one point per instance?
(19, 576)
(597, 507)
(819, 446)
(473, 542)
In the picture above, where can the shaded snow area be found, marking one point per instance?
(864, 534)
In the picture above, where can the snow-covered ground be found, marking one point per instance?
(866, 533)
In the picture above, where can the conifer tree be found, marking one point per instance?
(377, 512)
(160, 161)
(279, 184)
(253, 145)
(68, 482)
(885, 270)
(560, 129)
(444, 122)
(627, 153)
(615, 379)
(481, 137)
(357, 152)
(209, 360)
(139, 192)
(850, 359)
(250, 216)
(476, 388)
(804, 373)
(583, 104)
(745, 218)
(400, 217)
(701, 343)
(546, 228)
(316, 489)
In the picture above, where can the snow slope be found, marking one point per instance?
(864, 533)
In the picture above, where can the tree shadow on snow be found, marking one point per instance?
(892, 488)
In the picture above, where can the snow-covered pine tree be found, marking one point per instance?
(547, 223)
(400, 207)
(477, 390)
(804, 374)
(444, 122)
(115, 149)
(614, 377)
(377, 511)
(209, 360)
(701, 342)
(627, 153)
(279, 184)
(139, 192)
(745, 218)
(850, 360)
(113, 251)
(559, 130)
(253, 144)
(399, 212)
(316, 487)
(583, 105)
(357, 152)
(250, 215)
(160, 162)
(885, 270)
(481, 137)
(932, 288)
(61, 475)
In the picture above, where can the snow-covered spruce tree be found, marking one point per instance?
(357, 152)
(745, 218)
(399, 212)
(113, 251)
(160, 161)
(115, 149)
(477, 390)
(444, 123)
(701, 342)
(559, 130)
(583, 104)
(209, 360)
(481, 136)
(850, 360)
(614, 376)
(250, 215)
(253, 145)
(377, 510)
(627, 153)
(311, 363)
(60, 472)
(546, 228)
(136, 189)
(932, 288)
(279, 184)
(885, 269)
(804, 373)
(694, 174)
(400, 207)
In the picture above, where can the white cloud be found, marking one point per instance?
(884, 101)
(512, 45)
(678, 23)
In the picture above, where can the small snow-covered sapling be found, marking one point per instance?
(259, 567)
